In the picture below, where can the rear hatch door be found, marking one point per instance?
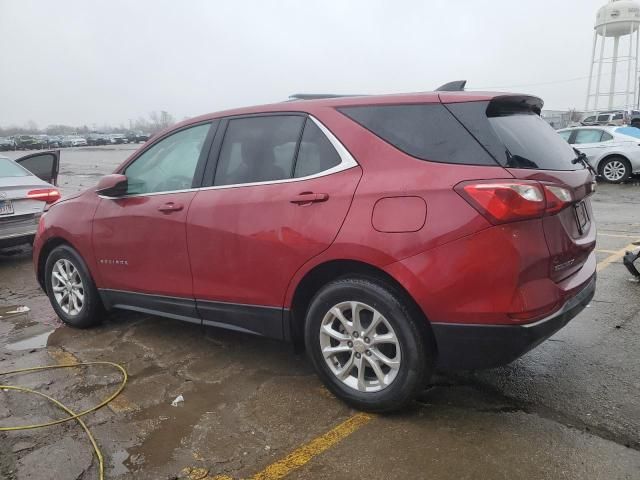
(510, 128)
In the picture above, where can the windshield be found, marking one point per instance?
(531, 143)
(8, 168)
(630, 131)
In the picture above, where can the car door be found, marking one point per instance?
(139, 239)
(589, 142)
(44, 165)
(279, 189)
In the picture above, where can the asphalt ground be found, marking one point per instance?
(253, 408)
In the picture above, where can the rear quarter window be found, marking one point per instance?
(531, 143)
(10, 169)
(424, 131)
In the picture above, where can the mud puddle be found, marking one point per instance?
(7, 311)
(29, 343)
(172, 425)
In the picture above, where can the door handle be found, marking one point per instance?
(170, 207)
(306, 198)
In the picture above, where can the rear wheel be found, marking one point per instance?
(366, 345)
(71, 290)
(615, 169)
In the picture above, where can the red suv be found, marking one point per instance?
(388, 234)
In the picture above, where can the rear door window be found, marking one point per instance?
(566, 134)
(588, 136)
(424, 131)
(8, 168)
(316, 153)
(258, 149)
(603, 118)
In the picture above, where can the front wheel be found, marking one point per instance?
(366, 345)
(71, 290)
(615, 169)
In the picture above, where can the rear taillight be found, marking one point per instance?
(512, 201)
(48, 195)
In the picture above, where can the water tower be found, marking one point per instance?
(618, 20)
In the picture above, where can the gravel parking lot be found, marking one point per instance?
(253, 408)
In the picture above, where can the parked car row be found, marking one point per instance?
(613, 152)
(613, 118)
(40, 142)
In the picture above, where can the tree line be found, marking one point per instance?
(153, 123)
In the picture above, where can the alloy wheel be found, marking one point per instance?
(614, 171)
(360, 346)
(67, 287)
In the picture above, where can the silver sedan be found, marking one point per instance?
(27, 185)
(614, 152)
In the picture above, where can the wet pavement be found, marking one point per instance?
(254, 409)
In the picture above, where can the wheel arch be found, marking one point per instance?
(331, 270)
(46, 249)
(606, 157)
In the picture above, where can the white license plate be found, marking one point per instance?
(581, 216)
(6, 207)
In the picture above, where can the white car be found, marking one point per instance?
(27, 185)
(78, 142)
(614, 152)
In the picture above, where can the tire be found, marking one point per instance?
(615, 169)
(81, 313)
(389, 388)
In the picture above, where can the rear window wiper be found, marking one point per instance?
(582, 158)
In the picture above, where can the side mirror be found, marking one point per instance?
(114, 185)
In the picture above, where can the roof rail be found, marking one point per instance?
(317, 96)
(455, 86)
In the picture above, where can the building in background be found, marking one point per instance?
(614, 57)
(561, 118)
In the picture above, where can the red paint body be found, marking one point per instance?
(251, 245)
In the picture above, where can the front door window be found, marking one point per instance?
(169, 165)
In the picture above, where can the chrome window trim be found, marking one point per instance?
(346, 162)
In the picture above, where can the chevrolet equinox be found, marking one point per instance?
(389, 235)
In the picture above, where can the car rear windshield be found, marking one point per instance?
(8, 168)
(531, 143)
(425, 131)
(630, 131)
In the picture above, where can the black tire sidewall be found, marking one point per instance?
(417, 359)
(620, 159)
(91, 313)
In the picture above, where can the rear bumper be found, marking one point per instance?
(465, 346)
(17, 230)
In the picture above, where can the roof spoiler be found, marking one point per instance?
(455, 86)
(510, 104)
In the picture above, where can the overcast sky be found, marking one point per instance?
(95, 62)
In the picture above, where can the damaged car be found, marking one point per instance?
(387, 235)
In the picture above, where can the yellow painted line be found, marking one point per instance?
(601, 250)
(614, 257)
(301, 456)
(119, 404)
